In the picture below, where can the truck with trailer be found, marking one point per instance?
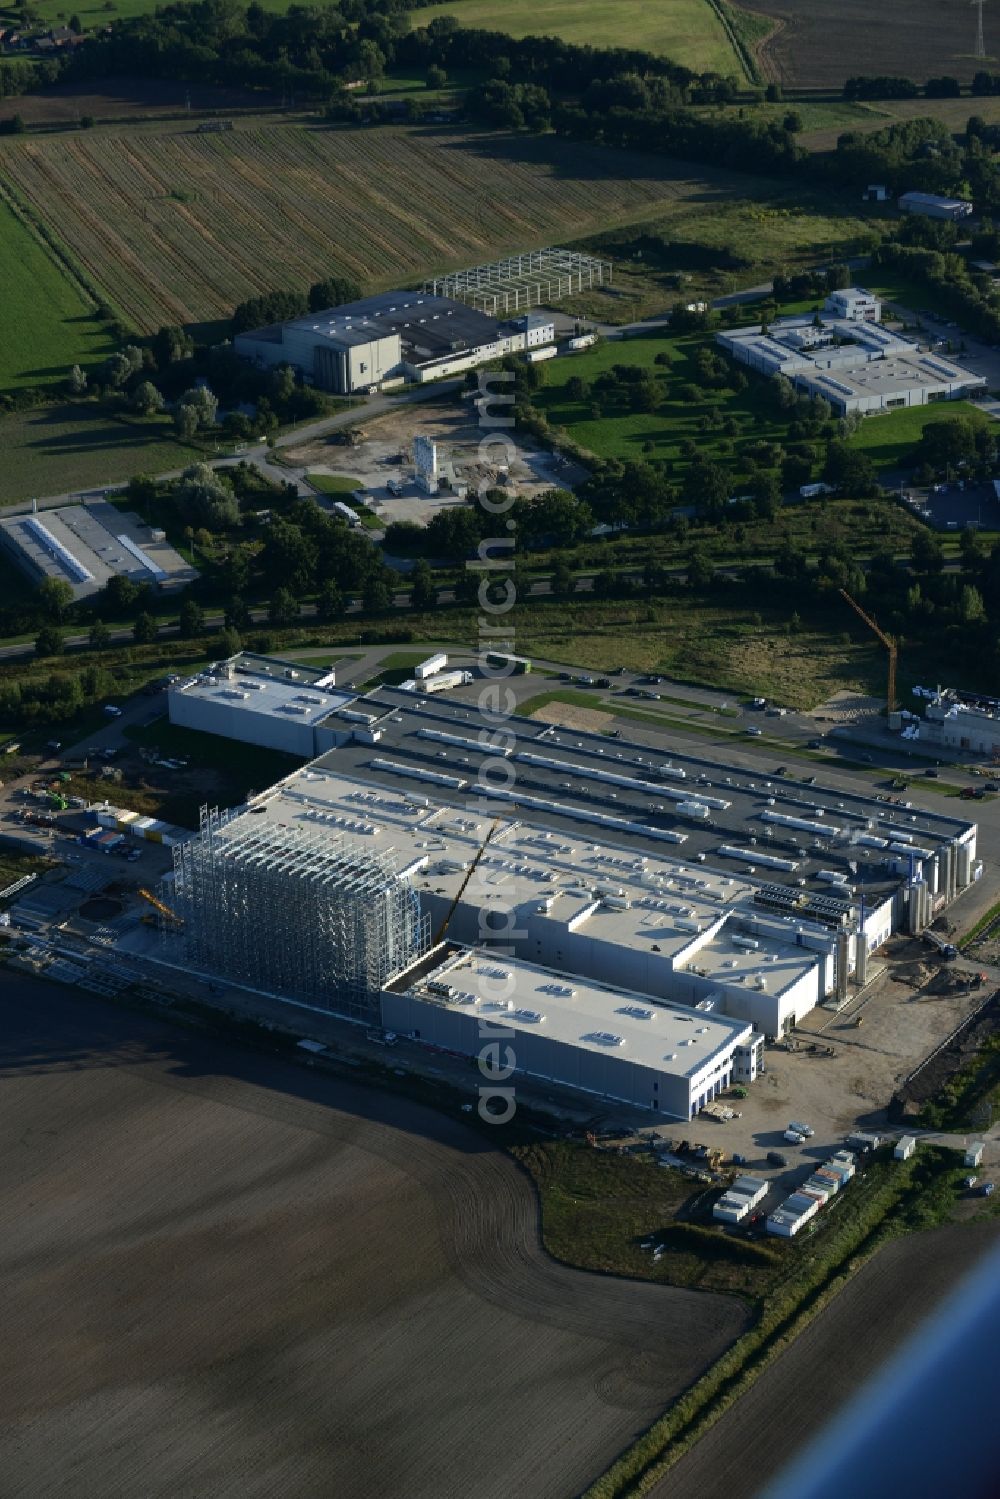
(502, 661)
(444, 681)
(430, 667)
(582, 341)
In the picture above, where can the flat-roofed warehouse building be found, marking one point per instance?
(852, 362)
(88, 544)
(258, 700)
(392, 336)
(933, 206)
(567, 1030)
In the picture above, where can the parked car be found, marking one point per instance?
(969, 1182)
(815, 744)
(793, 1137)
(802, 1129)
(112, 711)
(755, 732)
(54, 745)
(986, 1190)
(775, 1158)
(931, 774)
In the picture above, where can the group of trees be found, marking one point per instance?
(280, 306)
(883, 86)
(170, 371)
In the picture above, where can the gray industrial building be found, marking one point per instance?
(933, 206)
(85, 545)
(965, 721)
(387, 338)
(849, 359)
(680, 877)
(259, 700)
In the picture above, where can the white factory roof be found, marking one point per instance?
(672, 902)
(866, 360)
(578, 1012)
(893, 375)
(298, 697)
(770, 966)
(593, 889)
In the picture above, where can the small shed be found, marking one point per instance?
(905, 1148)
(973, 1154)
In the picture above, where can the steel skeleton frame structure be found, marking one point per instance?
(295, 912)
(522, 281)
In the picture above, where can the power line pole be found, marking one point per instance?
(980, 42)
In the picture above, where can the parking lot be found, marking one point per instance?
(957, 505)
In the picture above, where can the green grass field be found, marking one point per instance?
(688, 31)
(627, 435)
(65, 448)
(890, 438)
(48, 323)
(340, 485)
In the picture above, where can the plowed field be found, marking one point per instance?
(846, 1345)
(175, 227)
(228, 1276)
(819, 45)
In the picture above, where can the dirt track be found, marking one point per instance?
(231, 1277)
(825, 1366)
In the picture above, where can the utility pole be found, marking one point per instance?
(980, 43)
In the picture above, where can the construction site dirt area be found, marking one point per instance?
(225, 1274)
(838, 1075)
(587, 720)
(469, 453)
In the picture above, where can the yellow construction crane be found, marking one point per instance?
(439, 936)
(890, 644)
(163, 909)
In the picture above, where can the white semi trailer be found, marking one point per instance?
(430, 667)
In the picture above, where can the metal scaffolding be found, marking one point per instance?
(523, 281)
(300, 913)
